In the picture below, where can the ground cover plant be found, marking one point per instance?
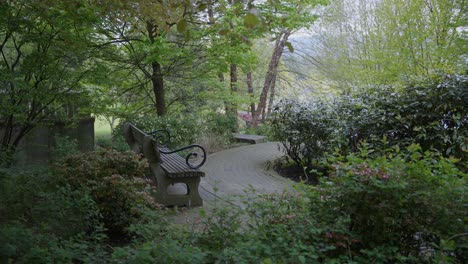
(405, 206)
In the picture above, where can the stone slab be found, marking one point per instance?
(252, 139)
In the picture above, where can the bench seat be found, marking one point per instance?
(167, 168)
(176, 167)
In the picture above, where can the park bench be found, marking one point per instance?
(166, 167)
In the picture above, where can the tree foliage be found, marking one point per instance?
(46, 50)
(362, 43)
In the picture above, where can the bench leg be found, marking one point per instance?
(194, 195)
(192, 198)
(159, 177)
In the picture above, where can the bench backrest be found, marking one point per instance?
(141, 143)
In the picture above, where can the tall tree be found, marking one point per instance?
(270, 77)
(282, 19)
(152, 37)
(232, 32)
(45, 48)
(363, 43)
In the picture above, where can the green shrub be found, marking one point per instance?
(307, 131)
(215, 132)
(39, 199)
(184, 129)
(116, 182)
(433, 114)
(45, 221)
(211, 129)
(7, 157)
(283, 229)
(64, 146)
(221, 230)
(402, 207)
(403, 201)
(71, 213)
(163, 251)
(117, 143)
(219, 124)
(21, 244)
(261, 129)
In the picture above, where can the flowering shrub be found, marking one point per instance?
(115, 180)
(247, 117)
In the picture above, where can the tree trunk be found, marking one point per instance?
(250, 91)
(158, 88)
(233, 78)
(10, 142)
(232, 110)
(233, 104)
(272, 97)
(7, 127)
(270, 77)
(156, 75)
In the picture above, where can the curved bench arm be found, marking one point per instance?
(155, 133)
(189, 155)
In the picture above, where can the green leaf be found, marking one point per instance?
(251, 20)
(290, 47)
(223, 32)
(182, 26)
(202, 213)
(187, 36)
(202, 7)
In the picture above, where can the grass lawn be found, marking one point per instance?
(102, 128)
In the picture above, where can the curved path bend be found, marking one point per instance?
(235, 170)
(231, 172)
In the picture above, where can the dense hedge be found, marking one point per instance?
(433, 114)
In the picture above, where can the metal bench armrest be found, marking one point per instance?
(189, 155)
(161, 134)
